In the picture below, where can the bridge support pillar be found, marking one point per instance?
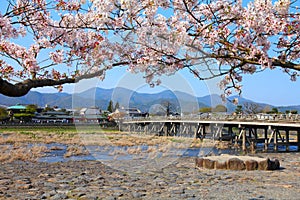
(266, 139)
(287, 134)
(244, 147)
(298, 139)
(275, 140)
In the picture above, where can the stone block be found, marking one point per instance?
(235, 164)
(208, 164)
(264, 164)
(274, 165)
(220, 165)
(199, 162)
(232, 162)
(251, 164)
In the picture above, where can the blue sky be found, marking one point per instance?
(272, 86)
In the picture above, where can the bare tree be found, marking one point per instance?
(252, 108)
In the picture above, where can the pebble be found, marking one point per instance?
(93, 180)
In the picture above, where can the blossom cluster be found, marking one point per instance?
(66, 39)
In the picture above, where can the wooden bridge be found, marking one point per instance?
(269, 135)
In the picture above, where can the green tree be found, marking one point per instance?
(220, 108)
(47, 108)
(239, 109)
(31, 108)
(205, 109)
(3, 113)
(273, 111)
(110, 106)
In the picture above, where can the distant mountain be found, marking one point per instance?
(179, 101)
(37, 98)
(289, 108)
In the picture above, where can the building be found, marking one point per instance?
(53, 117)
(128, 113)
(17, 108)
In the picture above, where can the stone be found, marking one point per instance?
(274, 165)
(251, 165)
(220, 165)
(235, 164)
(138, 194)
(264, 164)
(232, 162)
(59, 196)
(199, 162)
(208, 164)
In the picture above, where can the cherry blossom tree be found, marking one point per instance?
(50, 43)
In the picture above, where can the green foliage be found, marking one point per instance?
(3, 113)
(110, 106)
(273, 111)
(31, 108)
(294, 111)
(23, 116)
(239, 109)
(291, 111)
(205, 109)
(220, 108)
(46, 109)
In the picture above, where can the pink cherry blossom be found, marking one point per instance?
(153, 37)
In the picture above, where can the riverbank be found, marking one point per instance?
(179, 180)
(163, 175)
(32, 145)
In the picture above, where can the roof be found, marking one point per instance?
(19, 107)
(129, 110)
(54, 113)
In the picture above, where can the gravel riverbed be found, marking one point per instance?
(178, 180)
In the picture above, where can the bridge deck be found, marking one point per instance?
(277, 133)
(248, 123)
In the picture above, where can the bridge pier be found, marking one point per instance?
(298, 139)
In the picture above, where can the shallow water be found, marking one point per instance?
(56, 152)
(110, 153)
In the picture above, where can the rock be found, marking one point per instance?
(263, 165)
(220, 165)
(199, 162)
(235, 164)
(208, 164)
(138, 194)
(59, 196)
(178, 191)
(274, 165)
(251, 164)
(23, 186)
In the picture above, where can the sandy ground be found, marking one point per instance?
(152, 178)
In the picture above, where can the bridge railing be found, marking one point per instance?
(223, 117)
